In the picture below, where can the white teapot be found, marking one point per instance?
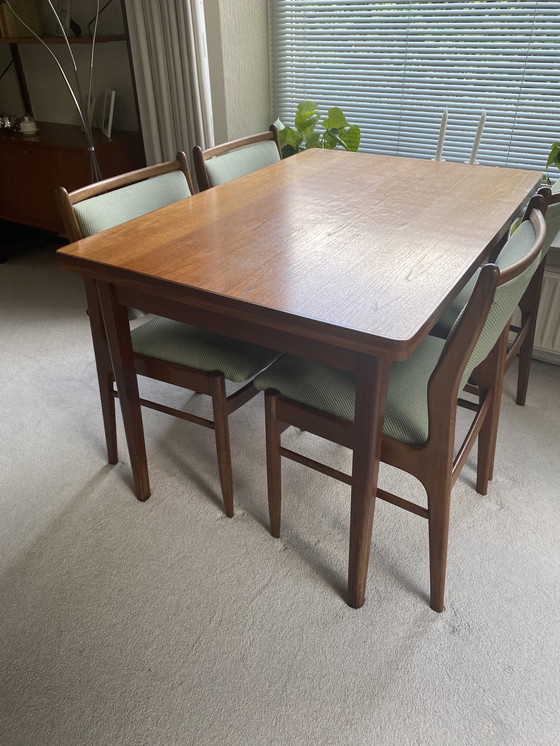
(28, 126)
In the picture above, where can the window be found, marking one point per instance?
(394, 66)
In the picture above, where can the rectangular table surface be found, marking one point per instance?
(363, 250)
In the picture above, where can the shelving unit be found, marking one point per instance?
(31, 167)
(60, 40)
(15, 42)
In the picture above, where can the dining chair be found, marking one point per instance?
(236, 158)
(165, 350)
(522, 335)
(420, 414)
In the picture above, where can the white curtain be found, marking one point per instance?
(170, 60)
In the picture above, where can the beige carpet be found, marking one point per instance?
(166, 623)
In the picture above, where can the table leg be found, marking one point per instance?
(371, 393)
(117, 329)
(104, 369)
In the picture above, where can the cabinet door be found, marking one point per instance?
(33, 172)
(30, 171)
(10, 182)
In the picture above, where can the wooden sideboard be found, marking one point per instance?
(31, 167)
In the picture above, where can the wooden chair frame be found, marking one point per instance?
(433, 463)
(524, 340)
(200, 156)
(212, 384)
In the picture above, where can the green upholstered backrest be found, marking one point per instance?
(112, 208)
(229, 166)
(449, 316)
(506, 297)
(445, 322)
(552, 218)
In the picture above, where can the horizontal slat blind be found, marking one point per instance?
(394, 66)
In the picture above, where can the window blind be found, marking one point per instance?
(394, 66)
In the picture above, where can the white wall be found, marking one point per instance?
(237, 35)
(9, 92)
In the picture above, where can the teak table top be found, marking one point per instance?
(366, 249)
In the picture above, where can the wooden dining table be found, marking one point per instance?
(344, 258)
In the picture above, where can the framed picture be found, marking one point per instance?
(108, 107)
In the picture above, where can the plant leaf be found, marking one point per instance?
(304, 123)
(554, 155)
(351, 137)
(313, 140)
(335, 119)
(331, 140)
(288, 150)
(307, 108)
(289, 136)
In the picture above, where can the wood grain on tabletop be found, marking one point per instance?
(372, 243)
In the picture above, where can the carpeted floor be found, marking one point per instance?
(165, 623)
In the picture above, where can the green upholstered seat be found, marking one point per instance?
(104, 211)
(332, 390)
(406, 414)
(231, 165)
(186, 345)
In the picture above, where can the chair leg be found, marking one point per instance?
(221, 432)
(487, 439)
(273, 462)
(491, 380)
(104, 370)
(529, 305)
(439, 498)
(524, 362)
(487, 446)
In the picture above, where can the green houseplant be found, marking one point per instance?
(554, 155)
(312, 131)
